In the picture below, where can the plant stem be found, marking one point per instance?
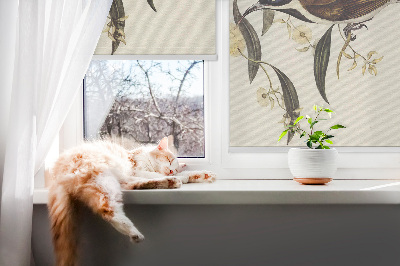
(260, 64)
(344, 39)
(266, 73)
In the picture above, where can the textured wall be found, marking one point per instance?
(237, 235)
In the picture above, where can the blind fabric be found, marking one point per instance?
(177, 27)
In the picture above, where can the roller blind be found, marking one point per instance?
(169, 28)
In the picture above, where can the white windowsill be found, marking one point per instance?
(264, 192)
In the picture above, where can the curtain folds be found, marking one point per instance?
(54, 44)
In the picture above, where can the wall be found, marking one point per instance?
(237, 235)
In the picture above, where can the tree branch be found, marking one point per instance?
(182, 81)
(146, 73)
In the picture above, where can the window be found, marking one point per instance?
(142, 101)
(227, 162)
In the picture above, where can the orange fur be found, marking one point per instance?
(62, 213)
(94, 174)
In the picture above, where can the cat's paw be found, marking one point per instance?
(201, 177)
(137, 237)
(210, 177)
(174, 182)
(182, 167)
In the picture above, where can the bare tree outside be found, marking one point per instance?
(144, 101)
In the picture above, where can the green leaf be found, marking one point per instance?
(309, 144)
(268, 19)
(310, 121)
(321, 61)
(252, 41)
(283, 134)
(314, 137)
(337, 126)
(329, 141)
(328, 110)
(313, 123)
(319, 133)
(322, 146)
(290, 98)
(327, 137)
(298, 120)
(302, 134)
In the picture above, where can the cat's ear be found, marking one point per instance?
(171, 146)
(163, 145)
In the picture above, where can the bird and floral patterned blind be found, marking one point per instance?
(160, 27)
(288, 55)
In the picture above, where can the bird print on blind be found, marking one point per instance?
(352, 12)
(325, 11)
(348, 17)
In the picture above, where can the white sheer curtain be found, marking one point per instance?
(54, 42)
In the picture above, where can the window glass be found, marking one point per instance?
(142, 101)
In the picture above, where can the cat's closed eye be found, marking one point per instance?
(166, 158)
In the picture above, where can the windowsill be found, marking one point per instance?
(264, 192)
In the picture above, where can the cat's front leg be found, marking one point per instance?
(197, 177)
(155, 183)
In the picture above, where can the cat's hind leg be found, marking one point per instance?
(103, 195)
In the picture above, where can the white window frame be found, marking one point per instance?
(247, 163)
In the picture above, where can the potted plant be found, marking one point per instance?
(315, 164)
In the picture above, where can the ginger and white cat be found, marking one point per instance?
(94, 175)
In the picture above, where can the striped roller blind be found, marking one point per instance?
(144, 28)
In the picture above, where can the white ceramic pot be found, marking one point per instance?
(312, 166)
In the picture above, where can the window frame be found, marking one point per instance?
(246, 163)
(190, 160)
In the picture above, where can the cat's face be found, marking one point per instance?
(165, 162)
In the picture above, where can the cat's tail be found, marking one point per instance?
(62, 212)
